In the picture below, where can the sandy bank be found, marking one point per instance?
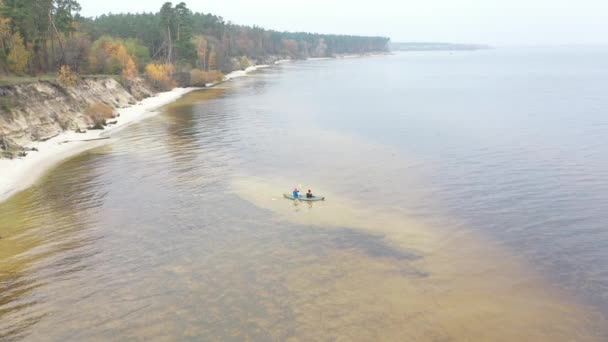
(20, 173)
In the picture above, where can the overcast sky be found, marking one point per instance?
(495, 22)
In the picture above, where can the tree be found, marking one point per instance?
(290, 48)
(139, 52)
(167, 20)
(160, 75)
(186, 51)
(67, 77)
(40, 34)
(201, 51)
(53, 34)
(65, 11)
(130, 70)
(5, 37)
(18, 56)
(244, 63)
(77, 51)
(110, 55)
(212, 60)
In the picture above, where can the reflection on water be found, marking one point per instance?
(178, 231)
(43, 234)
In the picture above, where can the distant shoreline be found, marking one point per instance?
(430, 46)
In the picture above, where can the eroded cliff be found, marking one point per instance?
(41, 110)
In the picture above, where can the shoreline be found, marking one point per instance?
(19, 174)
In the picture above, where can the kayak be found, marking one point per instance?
(304, 198)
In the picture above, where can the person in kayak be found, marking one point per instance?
(296, 193)
(309, 194)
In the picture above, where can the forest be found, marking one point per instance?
(41, 37)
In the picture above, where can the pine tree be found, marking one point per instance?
(167, 20)
(186, 52)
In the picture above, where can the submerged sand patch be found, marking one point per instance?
(464, 287)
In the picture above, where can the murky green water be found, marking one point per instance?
(177, 229)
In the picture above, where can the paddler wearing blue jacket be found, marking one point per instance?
(296, 193)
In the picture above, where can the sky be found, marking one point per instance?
(493, 22)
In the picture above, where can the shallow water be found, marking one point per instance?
(466, 201)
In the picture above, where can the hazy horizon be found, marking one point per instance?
(517, 22)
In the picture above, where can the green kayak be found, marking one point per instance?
(304, 198)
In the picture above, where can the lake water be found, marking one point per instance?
(467, 199)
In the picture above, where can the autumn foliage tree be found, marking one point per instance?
(40, 36)
(129, 70)
(109, 55)
(201, 78)
(38, 31)
(201, 52)
(160, 75)
(18, 56)
(244, 63)
(67, 77)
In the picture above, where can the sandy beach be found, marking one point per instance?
(20, 173)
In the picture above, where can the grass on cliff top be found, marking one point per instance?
(15, 80)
